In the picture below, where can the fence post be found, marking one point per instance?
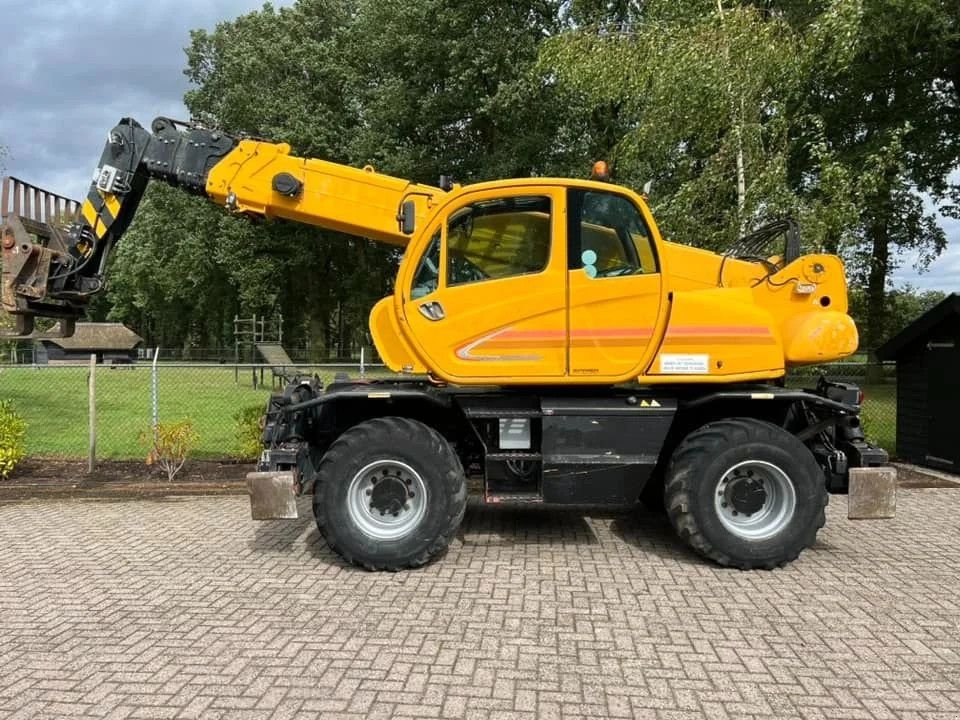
(361, 362)
(92, 402)
(155, 393)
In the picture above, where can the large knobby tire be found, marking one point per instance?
(745, 493)
(390, 494)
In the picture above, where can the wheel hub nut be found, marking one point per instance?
(746, 494)
(389, 495)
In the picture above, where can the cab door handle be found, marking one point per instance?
(432, 310)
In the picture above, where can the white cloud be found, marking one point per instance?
(944, 272)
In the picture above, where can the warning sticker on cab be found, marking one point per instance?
(684, 364)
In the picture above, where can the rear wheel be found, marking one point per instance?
(391, 494)
(745, 493)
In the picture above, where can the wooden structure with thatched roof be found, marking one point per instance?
(113, 343)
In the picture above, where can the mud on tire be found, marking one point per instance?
(757, 468)
(409, 479)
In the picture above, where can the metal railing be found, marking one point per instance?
(30, 202)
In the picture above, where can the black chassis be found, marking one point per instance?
(580, 446)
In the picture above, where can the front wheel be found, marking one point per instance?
(391, 494)
(745, 493)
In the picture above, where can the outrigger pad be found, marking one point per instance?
(272, 495)
(873, 493)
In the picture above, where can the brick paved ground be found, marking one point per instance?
(185, 608)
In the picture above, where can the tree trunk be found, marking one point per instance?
(877, 291)
(341, 331)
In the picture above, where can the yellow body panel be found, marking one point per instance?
(534, 315)
(394, 350)
(718, 332)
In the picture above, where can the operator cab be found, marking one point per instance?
(536, 280)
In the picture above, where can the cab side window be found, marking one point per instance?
(607, 235)
(427, 277)
(499, 238)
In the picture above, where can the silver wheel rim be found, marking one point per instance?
(382, 516)
(776, 511)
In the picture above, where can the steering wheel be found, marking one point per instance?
(617, 270)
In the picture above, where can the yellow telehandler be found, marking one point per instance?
(545, 337)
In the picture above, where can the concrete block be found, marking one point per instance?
(272, 495)
(873, 493)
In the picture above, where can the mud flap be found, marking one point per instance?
(273, 495)
(873, 493)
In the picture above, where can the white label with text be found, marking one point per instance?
(683, 364)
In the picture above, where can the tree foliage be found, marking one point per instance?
(901, 306)
(709, 95)
(891, 115)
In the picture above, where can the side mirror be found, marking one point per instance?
(407, 217)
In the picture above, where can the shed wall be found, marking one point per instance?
(912, 411)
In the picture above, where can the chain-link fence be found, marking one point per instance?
(32, 354)
(54, 400)
(878, 381)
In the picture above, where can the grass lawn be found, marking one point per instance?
(53, 401)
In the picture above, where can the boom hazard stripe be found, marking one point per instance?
(510, 340)
(104, 216)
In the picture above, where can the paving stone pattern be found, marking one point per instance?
(185, 608)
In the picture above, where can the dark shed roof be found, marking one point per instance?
(99, 336)
(916, 330)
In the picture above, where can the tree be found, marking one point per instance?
(834, 111)
(275, 74)
(891, 116)
(451, 88)
(901, 305)
(706, 101)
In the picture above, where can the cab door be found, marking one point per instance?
(615, 286)
(487, 300)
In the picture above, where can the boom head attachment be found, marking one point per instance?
(54, 261)
(35, 237)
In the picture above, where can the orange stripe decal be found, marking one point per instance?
(508, 339)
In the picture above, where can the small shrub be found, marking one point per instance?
(169, 445)
(248, 429)
(13, 430)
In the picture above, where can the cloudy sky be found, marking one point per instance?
(72, 68)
